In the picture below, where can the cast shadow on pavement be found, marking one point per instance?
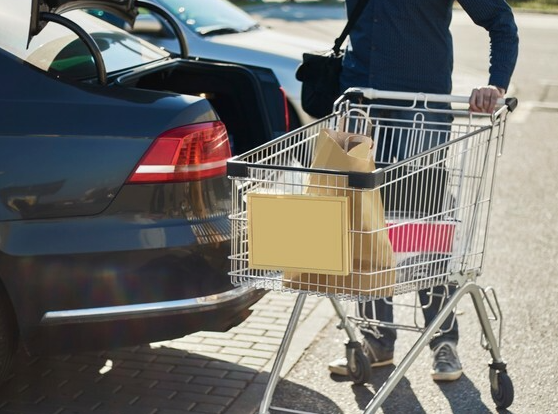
(296, 397)
(401, 400)
(462, 395)
(140, 379)
(147, 379)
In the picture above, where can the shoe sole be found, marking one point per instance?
(446, 376)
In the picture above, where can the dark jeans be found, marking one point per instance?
(398, 142)
(408, 133)
(430, 306)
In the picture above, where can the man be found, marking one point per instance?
(406, 45)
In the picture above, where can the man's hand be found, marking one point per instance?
(483, 99)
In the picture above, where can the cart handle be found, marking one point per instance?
(355, 179)
(371, 93)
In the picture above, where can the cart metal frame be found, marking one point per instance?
(467, 156)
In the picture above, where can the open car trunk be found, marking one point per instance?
(248, 100)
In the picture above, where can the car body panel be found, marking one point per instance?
(57, 137)
(87, 258)
(125, 9)
(21, 19)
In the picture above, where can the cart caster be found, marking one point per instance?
(358, 363)
(501, 388)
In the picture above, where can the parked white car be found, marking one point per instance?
(219, 30)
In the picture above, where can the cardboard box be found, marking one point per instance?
(298, 233)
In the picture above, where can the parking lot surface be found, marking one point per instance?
(207, 372)
(227, 372)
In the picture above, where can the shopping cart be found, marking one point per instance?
(309, 229)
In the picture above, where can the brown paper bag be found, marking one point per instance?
(372, 256)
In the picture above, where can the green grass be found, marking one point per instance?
(536, 5)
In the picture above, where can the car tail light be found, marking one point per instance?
(187, 153)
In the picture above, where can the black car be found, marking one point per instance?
(114, 199)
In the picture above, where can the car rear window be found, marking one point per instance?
(57, 49)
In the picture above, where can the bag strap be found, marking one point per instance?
(350, 23)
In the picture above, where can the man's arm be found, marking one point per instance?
(497, 18)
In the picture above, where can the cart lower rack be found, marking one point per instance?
(377, 201)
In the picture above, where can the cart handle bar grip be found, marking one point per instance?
(371, 93)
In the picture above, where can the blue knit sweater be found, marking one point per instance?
(406, 45)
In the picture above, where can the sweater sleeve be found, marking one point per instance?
(497, 18)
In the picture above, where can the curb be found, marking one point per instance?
(316, 314)
(305, 333)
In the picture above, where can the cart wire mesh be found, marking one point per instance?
(436, 201)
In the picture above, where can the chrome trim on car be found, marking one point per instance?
(143, 310)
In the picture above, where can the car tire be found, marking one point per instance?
(8, 335)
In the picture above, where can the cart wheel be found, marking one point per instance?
(358, 364)
(503, 393)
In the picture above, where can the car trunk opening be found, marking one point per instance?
(248, 101)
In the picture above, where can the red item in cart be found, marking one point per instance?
(421, 236)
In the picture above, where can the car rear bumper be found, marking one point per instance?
(146, 310)
(108, 328)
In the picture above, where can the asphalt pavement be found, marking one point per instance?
(207, 372)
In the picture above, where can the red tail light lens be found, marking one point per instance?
(188, 153)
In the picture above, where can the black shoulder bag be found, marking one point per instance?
(319, 72)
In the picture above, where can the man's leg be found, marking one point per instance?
(378, 348)
(432, 129)
(419, 131)
(446, 365)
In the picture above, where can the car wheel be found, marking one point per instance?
(8, 335)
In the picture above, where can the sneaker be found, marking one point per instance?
(446, 365)
(377, 357)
